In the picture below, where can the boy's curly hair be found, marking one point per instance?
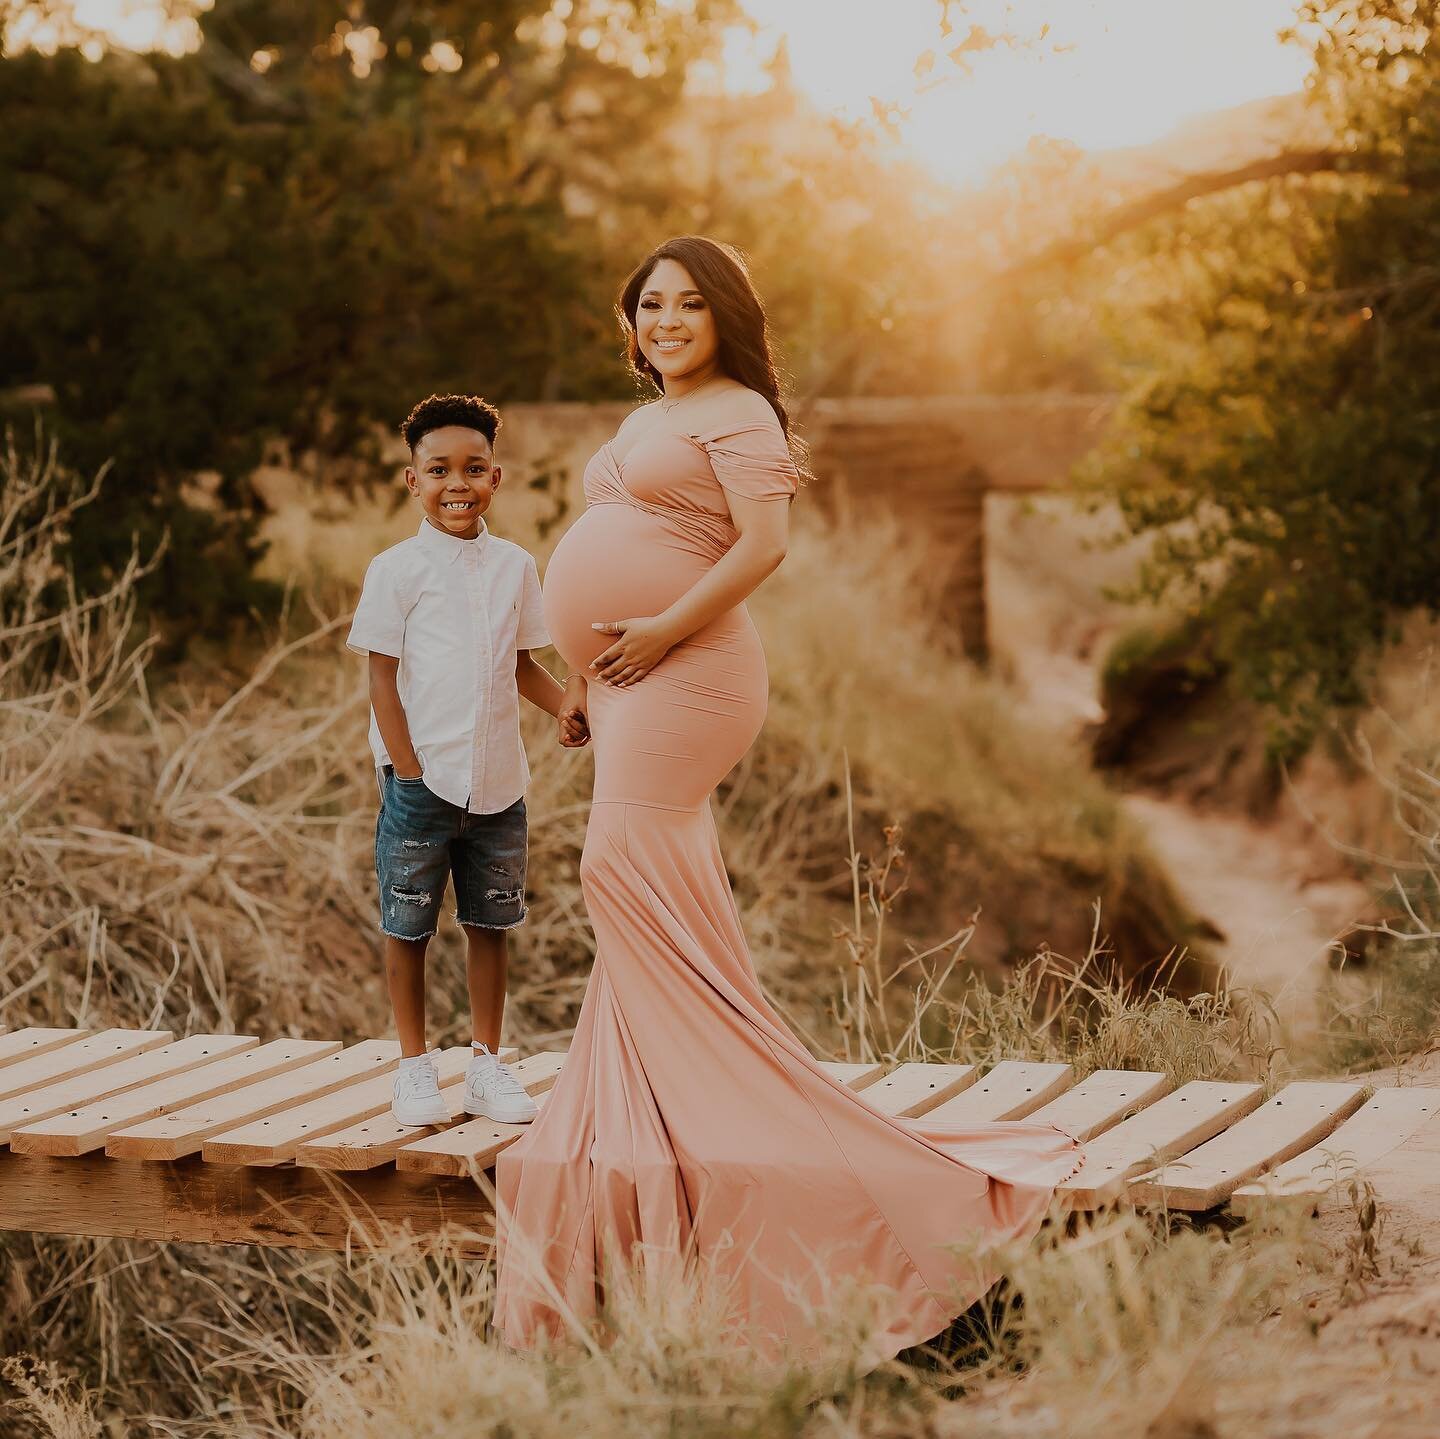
(437, 411)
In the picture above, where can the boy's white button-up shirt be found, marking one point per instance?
(454, 612)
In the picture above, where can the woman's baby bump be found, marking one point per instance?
(616, 562)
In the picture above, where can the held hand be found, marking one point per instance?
(572, 720)
(574, 733)
(642, 644)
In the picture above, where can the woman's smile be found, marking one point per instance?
(675, 328)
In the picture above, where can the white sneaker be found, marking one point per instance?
(417, 1098)
(493, 1091)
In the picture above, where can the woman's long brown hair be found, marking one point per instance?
(744, 339)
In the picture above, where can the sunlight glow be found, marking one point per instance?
(1097, 73)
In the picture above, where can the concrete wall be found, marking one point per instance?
(1021, 442)
(932, 460)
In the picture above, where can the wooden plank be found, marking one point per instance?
(1383, 1123)
(854, 1076)
(375, 1140)
(1011, 1090)
(274, 1140)
(171, 1136)
(18, 1044)
(463, 1149)
(81, 1130)
(538, 1072)
(913, 1089)
(188, 1201)
(95, 1051)
(131, 1073)
(1191, 1115)
(1297, 1117)
(1408, 1179)
(1101, 1100)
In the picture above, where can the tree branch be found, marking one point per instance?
(1123, 218)
(1193, 187)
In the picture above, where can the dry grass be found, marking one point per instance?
(1117, 1328)
(191, 849)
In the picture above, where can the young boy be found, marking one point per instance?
(448, 619)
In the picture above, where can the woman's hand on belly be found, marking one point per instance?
(641, 645)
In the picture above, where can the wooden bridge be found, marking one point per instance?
(224, 1139)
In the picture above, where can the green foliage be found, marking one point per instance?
(1281, 441)
(1144, 649)
(303, 226)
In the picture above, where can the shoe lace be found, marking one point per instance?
(499, 1078)
(420, 1081)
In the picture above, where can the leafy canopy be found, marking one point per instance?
(1281, 442)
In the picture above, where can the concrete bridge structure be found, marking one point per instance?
(930, 461)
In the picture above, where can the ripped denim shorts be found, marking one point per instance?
(421, 840)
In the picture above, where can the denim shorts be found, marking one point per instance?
(421, 840)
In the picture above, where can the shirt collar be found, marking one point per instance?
(448, 547)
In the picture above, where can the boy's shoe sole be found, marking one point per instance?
(499, 1113)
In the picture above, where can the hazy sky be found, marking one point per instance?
(1107, 73)
(1129, 71)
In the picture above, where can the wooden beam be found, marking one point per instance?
(18, 1044)
(854, 1076)
(1318, 1178)
(60, 1062)
(538, 1072)
(275, 1140)
(1011, 1090)
(172, 1136)
(189, 1201)
(915, 1089)
(1101, 1100)
(192, 1052)
(1299, 1116)
(81, 1130)
(466, 1148)
(1193, 1114)
(377, 1139)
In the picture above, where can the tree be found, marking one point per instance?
(323, 213)
(1281, 442)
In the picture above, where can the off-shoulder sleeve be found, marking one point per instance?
(752, 459)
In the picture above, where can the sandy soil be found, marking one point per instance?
(1274, 889)
(1272, 892)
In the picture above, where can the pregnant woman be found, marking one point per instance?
(689, 1127)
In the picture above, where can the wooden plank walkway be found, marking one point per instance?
(223, 1139)
(1166, 1129)
(1319, 1175)
(1011, 1090)
(1299, 1116)
(175, 1135)
(916, 1089)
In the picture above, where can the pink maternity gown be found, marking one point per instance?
(689, 1124)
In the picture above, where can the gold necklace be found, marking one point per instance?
(666, 405)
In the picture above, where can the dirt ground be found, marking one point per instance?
(1275, 891)
(1373, 1367)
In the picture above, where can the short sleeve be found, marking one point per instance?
(752, 459)
(379, 623)
(531, 633)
